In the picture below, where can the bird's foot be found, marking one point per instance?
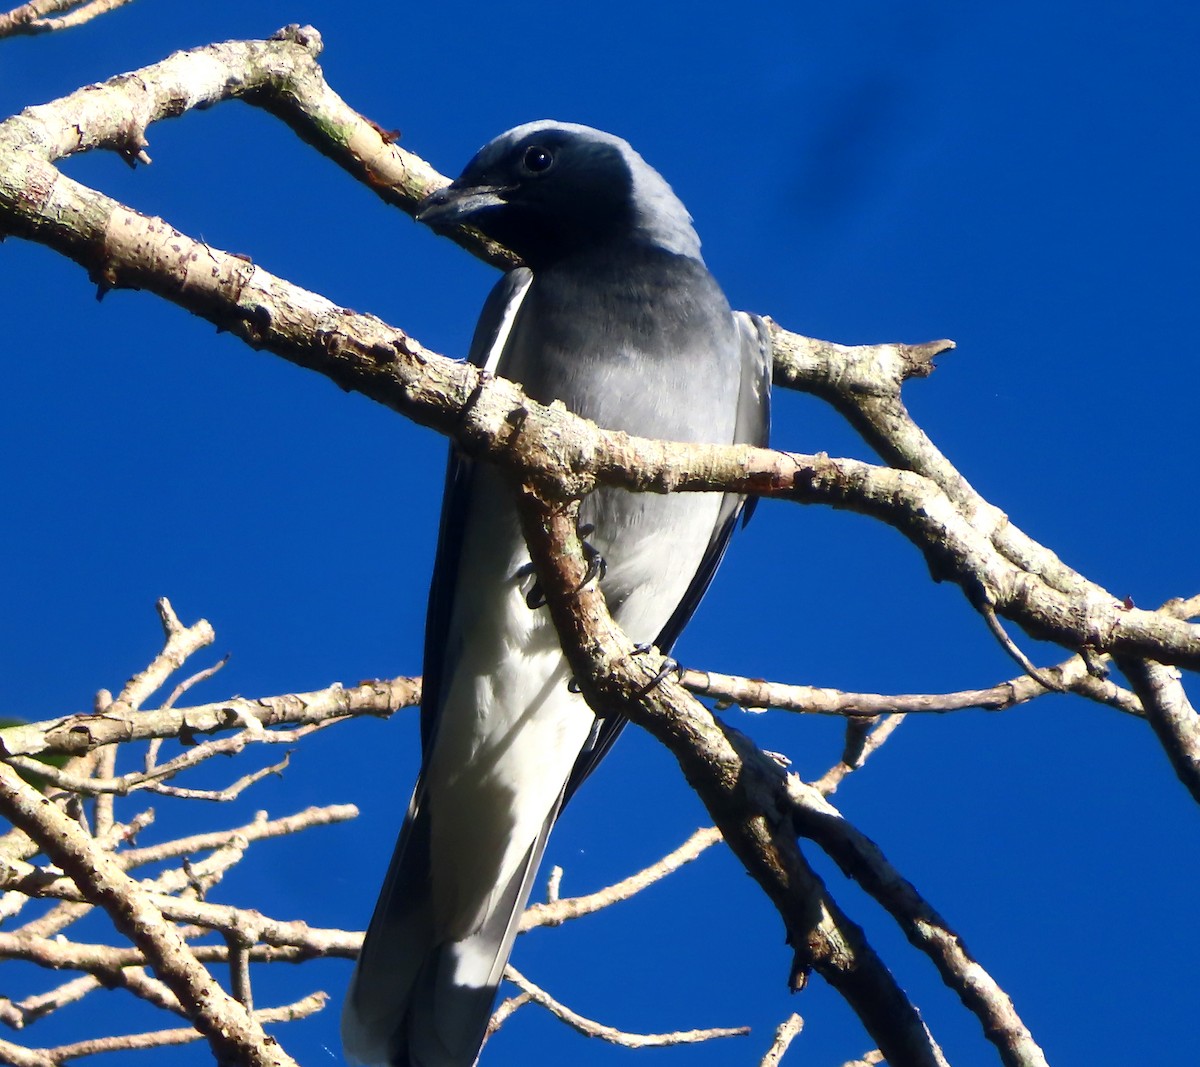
(667, 667)
(597, 566)
(531, 587)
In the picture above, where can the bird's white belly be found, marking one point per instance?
(509, 730)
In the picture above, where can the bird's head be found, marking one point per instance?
(547, 190)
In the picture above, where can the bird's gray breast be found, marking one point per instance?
(643, 342)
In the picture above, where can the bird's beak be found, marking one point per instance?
(452, 205)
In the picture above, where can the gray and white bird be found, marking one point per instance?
(616, 316)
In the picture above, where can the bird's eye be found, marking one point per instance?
(537, 159)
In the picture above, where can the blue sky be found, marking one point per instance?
(1018, 177)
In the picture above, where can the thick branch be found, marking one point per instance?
(964, 539)
(737, 783)
(1171, 716)
(565, 456)
(861, 859)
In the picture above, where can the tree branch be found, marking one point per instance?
(230, 1030)
(591, 1028)
(753, 694)
(861, 859)
(785, 1034)
(36, 16)
(52, 1057)
(560, 910)
(962, 537)
(77, 734)
(736, 782)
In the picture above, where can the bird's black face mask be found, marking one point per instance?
(543, 196)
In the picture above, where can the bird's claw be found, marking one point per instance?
(597, 568)
(667, 667)
(597, 565)
(534, 597)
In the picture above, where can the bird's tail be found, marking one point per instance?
(415, 1001)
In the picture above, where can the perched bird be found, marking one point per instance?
(616, 316)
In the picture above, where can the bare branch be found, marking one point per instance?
(1010, 646)
(50, 952)
(18, 1056)
(229, 1029)
(259, 830)
(861, 859)
(35, 16)
(81, 733)
(785, 1033)
(754, 694)
(505, 1011)
(31, 1009)
(871, 1059)
(151, 990)
(963, 538)
(1171, 716)
(224, 917)
(853, 758)
(560, 910)
(193, 680)
(740, 786)
(182, 642)
(152, 778)
(239, 970)
(591, 1028)
(300, 1009)
(231, 792)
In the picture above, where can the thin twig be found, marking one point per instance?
(591, 1028)
(506, 1010)
(300, 1009)
(36, 16)
(994, 625)
(785, 1034)
(193, 680)
(231, 792)
(556, 912)
(755, 694)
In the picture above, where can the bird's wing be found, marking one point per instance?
(394, 964)
(753, 427)
(487, 344)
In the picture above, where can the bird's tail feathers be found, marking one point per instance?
(414, 1002)
(398, 941)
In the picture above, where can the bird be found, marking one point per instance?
(615, 315)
